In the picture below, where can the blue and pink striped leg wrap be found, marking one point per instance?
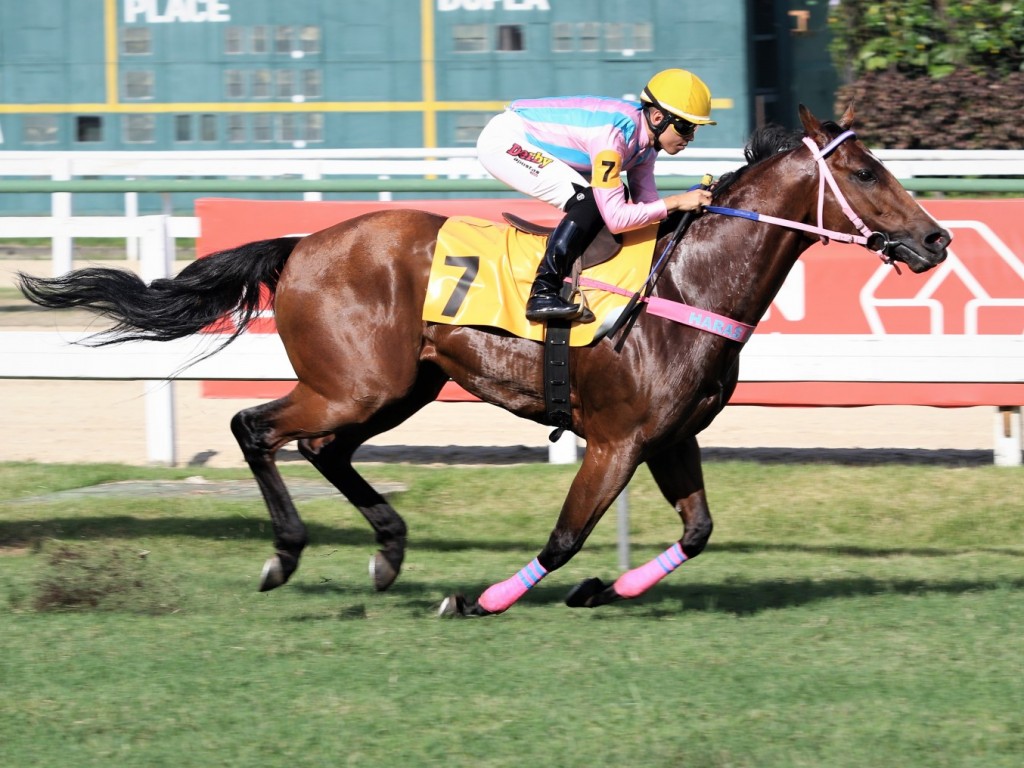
(499, 597)
(639, 580)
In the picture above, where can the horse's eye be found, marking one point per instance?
(865, 175)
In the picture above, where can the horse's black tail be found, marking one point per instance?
(223, 286)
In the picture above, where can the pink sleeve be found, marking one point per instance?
(620, 215)
(642, 187)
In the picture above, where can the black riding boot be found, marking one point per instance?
(546, 302)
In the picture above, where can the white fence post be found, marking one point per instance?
(155, 263)
(131, 211)
(563, 450)
(1007, 437)
(60, 209)
(312, 196)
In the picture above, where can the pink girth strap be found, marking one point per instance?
(682, 313)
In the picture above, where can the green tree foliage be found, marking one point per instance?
(931, 74)
(927, 37)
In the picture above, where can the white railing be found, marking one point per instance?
(152, 237)
(453, 164)
(768, 358)
(442, 163)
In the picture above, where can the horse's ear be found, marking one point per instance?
(812, 125)
(846, 121)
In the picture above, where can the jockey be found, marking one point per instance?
(571, 151)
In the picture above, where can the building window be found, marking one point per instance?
(615, 37)
(207, 128)
(139, 129)
(261, 84)
(511, 38)
(314, 127)
(468, 127)
(234, 84)
(643, 36)
(136, 41)
(590, 36)
(312, 83)
(287, 129)
(39, 129)
(260, 40)
(88, 129)
(183, 128)
(562, 38)
(138, 84)
(236, 129)
(234, 40)
(470, 38)
(309, 40)
(285, 87)
(283, 40)
(262, 128)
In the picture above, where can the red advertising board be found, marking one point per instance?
(834, 289)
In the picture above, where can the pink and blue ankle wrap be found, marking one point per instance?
(499, 597)
(639, 580)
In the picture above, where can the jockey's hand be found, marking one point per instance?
(693, 200)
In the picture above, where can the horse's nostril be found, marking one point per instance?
(938, 239)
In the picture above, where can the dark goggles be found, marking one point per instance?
(684, 128)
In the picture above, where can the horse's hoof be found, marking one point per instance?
(273, 574)
(382, 572)
(277, 570)
(452, 606)
(583, 594)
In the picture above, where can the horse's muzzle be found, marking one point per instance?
(919, 254)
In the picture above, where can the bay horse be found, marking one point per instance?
(348, 302)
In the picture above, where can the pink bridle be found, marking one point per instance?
(873, 241)
(825, 177)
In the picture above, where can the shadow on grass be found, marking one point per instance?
(26, 533)
(749, 598)
(664, 601)
(482, 454)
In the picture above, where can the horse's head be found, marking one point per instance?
(876, 203)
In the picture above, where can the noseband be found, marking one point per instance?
(877, 242)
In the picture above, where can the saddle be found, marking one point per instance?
(604, 247)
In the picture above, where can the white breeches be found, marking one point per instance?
(510, 157)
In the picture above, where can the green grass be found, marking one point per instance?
(842, 616)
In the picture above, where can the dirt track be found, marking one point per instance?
(58, 421)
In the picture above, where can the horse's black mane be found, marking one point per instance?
(762, 144)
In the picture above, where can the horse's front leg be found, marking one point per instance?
(677, 471)
(603, 474)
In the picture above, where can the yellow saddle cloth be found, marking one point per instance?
(482, 273)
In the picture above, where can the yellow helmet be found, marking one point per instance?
(682, 94)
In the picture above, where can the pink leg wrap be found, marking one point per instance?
(499, 597)
(639, 580)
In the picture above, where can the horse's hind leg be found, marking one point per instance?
(334, 460)
(332, 456)
(260, 432)
(679, 476)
